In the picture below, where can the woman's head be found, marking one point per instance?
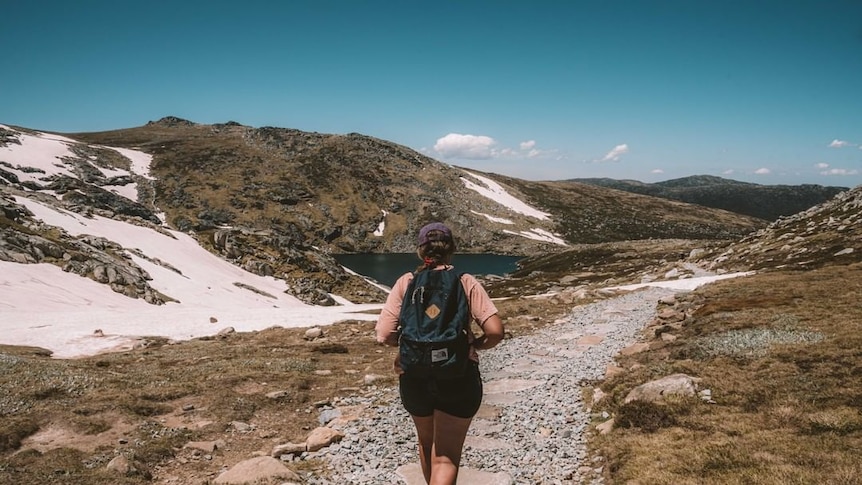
(436, 244)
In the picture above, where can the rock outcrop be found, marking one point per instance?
(28, 241)
(829, 233)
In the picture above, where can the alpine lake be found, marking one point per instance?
(386, 268)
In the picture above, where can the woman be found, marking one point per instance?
(442, 409)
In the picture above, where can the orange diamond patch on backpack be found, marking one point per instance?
(432, 311)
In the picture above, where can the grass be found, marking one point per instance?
(220, 381)
(782, 354)
(148, 403)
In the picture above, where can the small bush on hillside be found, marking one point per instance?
(841, 421)
(244, 408)
(648, 416)
(157, 442)
(146, 408)
(14, 430)
(331, 348)
(652, 416)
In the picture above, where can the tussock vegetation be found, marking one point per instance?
(149, 403)
(782, 355)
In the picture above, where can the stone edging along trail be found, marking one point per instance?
(532, 424)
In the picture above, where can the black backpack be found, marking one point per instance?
(434, 320)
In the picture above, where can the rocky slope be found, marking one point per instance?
(768, 202)
(279, 202)
(826, 234)
(588, 214)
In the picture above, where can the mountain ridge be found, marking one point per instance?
(767, 202)
(279, 201)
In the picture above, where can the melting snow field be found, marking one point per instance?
(69, 314)
(43, 306)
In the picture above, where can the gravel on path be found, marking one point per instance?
(536, 428)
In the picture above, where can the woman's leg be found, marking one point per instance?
(449, 433)
(425, 433)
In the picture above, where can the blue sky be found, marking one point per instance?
(761, 91)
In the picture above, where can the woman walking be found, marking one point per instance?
(441, 408)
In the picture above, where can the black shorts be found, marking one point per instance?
(460, 397)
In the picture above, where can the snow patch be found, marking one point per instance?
(381, 226)
(686, 284)
(45, 151)
(37, 152)
(539, 235)
(491, 218)
(205, 279)
(140, 161)
(497, 193)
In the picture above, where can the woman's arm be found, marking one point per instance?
(386, 328)
(493, 328)
(484, 313)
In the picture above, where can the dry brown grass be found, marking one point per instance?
(782, 354)
(217, 381)
(147, 404)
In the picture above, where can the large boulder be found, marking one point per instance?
(659, 389)
(262, 469)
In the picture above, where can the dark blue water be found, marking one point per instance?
(386, 268)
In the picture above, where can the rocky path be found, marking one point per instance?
(532, 424)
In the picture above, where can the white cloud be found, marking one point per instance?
(822, 165)
(657, 170)
(614, 155)
(482, 147)
(836, 143)
(728, 172)
(474, 147)
(763, 171)
(840, 171)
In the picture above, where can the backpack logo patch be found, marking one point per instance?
(439, 355)
(432, 311)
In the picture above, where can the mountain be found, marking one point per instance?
(826, 234)
(768, 202)
(278, 202)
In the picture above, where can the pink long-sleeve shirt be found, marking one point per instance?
(481, 309)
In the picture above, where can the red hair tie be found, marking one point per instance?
(428, 262)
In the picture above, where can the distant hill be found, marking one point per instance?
(768, 202)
